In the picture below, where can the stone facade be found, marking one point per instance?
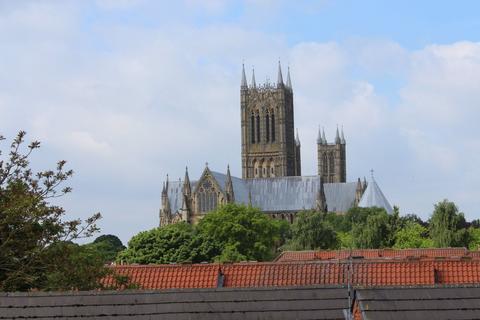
(271, 166)
(332, 164)
(269, 147)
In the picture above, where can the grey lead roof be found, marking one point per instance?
(373, 197)
(277, 194)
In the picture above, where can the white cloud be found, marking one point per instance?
(125, 104)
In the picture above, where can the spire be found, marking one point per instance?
(342, 139)
(166, 185)
(323, 136)
(187, 189)
(254, 83)
(280, 77)
(297, 139)
(319, 137)
(229, 187)
(244, 78)
(289, 82)
(337, 137)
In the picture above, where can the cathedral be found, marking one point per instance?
(271, 167)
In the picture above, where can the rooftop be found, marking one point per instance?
(376, 253)
(363, 272)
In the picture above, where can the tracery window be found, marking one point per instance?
(207, 197)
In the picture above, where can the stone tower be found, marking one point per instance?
(269, 147)
(332, 158)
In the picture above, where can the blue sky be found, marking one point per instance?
(128, 91)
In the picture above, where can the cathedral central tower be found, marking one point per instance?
(269, 146)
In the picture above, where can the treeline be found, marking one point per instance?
(239, 233)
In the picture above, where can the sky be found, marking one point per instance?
(129, 90)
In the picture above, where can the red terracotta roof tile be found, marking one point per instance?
(281, 274)
(456, 272)
(364, 272)
(375, 253)
(169, 276)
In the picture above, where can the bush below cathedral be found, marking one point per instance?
(231, 233)
(235, 233)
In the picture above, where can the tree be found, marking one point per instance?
(171, 243)
(108, 246)
(412, 218)
(73, 267)
(230, 233)
(448, 226)
(474, 238)
(29, 224)
(237, 232)
(374, 232)
(311, 231)
(412, 235)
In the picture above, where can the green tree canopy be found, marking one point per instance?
(171, 243)
(230, 233)
(30, 225)
(241, 232)
(371, 228)
(412, 235)
(448, 226)
(311, 230)
(108, 246)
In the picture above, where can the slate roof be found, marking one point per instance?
(375, 253)
(198, 304)
(373, 197)
(278, 194)
(417, 303)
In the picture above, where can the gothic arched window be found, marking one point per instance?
(273, 126)
(256, 165)
(252, 128)
(207, 197)
(267, 127)
(258, 127)
(325, 164)
(331, 166)
(272, 168)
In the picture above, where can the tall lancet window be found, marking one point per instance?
(325, 164)
(267, 127)
(252, 128)
(273, 126)
(331, 167)
(258, 127)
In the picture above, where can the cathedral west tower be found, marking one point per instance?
(332, 163)
(269, 146)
